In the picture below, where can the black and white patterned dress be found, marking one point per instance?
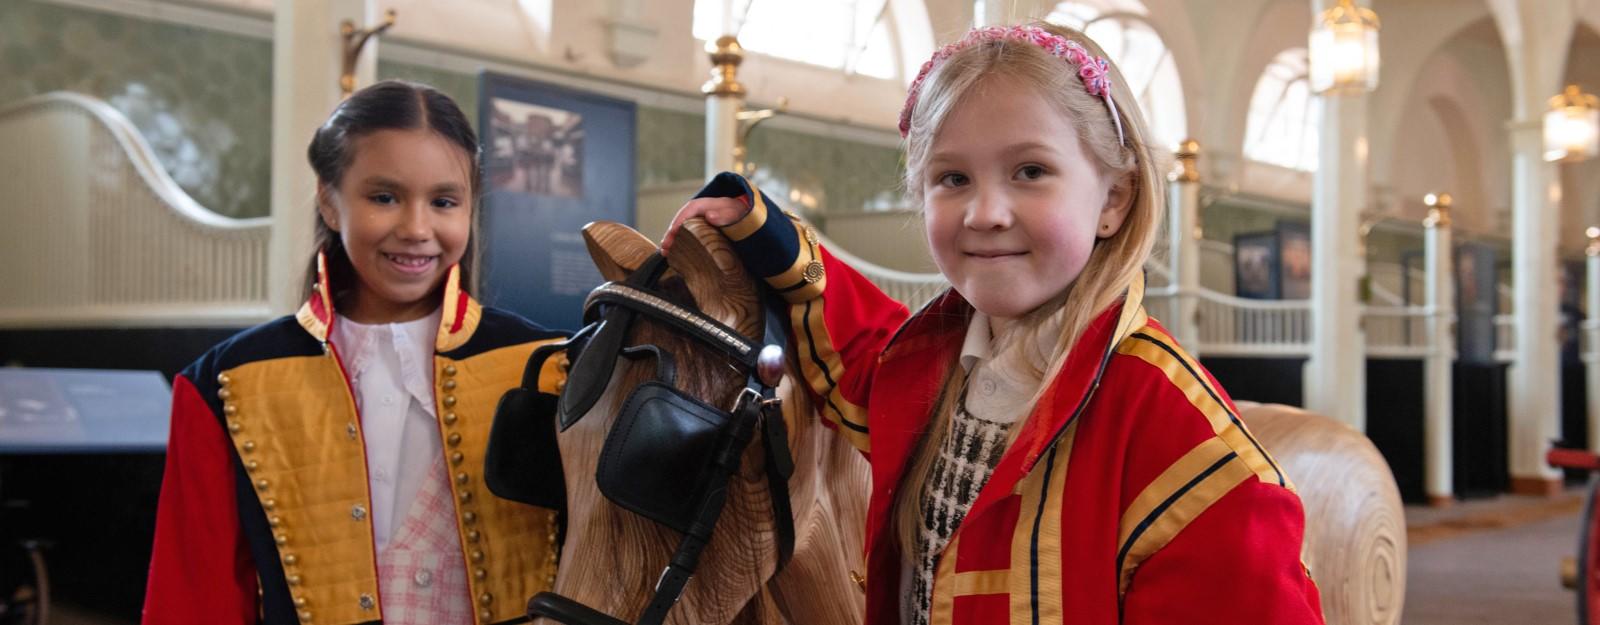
(965, 461)
(992, 398)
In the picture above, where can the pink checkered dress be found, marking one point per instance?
(422, 579)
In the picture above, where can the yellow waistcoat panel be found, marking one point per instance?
(510, 547)
(295, 426)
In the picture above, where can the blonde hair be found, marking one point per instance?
(1113, 264)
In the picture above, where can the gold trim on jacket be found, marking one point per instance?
(294, 423)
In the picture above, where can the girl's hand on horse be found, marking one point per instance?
(717, 211)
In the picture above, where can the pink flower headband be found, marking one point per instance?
(1091, 69)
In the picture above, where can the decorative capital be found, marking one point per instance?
(1188, 161)
(1438, 210)
(1348, 12)
(726, 54)
(1573, 96)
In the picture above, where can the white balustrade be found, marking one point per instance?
(1587, 331)
(1397, 331)
(1161, 302)
(1235, 326)
(912, 289)
(98, 234)
(1505, 338)
(1393, 283)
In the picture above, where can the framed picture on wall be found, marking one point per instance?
(1570, 275)
(1477, 301)
(1255, 265)
(1294, 260)
(554, 159)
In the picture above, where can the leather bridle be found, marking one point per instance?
(660, 432)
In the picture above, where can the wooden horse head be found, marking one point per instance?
(612, 558)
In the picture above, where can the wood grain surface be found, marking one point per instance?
(612, 558)
(1355, 542)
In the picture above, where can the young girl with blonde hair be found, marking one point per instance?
(1042, 451)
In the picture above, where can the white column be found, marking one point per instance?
(1591, 332)
(1183, 208)
(307, 52)
(1535, 375)
(722, 127)
(1335, 377)
(724, 99)
(1438, 410)
(1537, 38)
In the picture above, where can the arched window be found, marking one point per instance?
(1128, 39)
(886, 39)
(1282, 125)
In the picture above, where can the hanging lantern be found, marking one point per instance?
(1572, 127)
(1344, 50)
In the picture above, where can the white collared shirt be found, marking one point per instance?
(391, 373)
(999, 389)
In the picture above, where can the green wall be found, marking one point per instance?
(203, 100)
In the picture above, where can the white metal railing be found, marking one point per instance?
(916, 289)
(1161, 302)
(1505, 338)
(1383, 296)
(1397, 331)
(97, 233)
(1587, 331)
(1391, 281)
(1231, 325)
(1228, 325)
(912, 289)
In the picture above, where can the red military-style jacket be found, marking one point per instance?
(263, 513)
(1133, 493)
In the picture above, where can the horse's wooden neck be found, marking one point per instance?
(830, 525)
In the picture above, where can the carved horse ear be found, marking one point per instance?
(616, 249)
(706, 260)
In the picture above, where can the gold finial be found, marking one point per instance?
(1573, 95)
(354, 41)
(1346, 11)
(726, 55)
(1438, 210)
(1188, 161)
